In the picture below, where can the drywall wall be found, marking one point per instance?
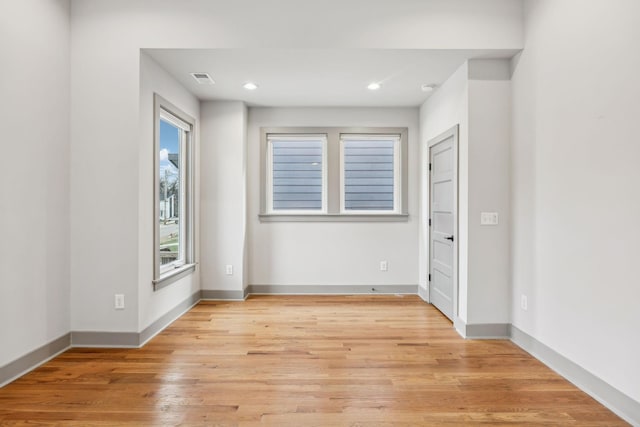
(576, 103)
(332, 253)
(447, 107)
(34, 201)
(488, 287)
(223, 195)
(153, 79)
(420, 24)
(105, 104)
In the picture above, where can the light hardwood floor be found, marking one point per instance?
(302, 361)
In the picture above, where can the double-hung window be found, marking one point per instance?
(297, 174)
(334, 174)
(370, 173)
(173, 218)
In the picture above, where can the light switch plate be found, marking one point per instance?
(488, 218)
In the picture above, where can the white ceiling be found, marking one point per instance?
(317, 77)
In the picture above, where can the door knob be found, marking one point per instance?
(449, 238)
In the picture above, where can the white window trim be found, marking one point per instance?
(397, 185)
(269, 177)
(169, 273)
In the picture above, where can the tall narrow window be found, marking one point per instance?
(296, 178)
(370, 173)
(174, 234)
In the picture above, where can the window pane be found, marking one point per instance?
(369, 174)
(170, 191)
(297, 174)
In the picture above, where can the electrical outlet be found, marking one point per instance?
(524, 304)
(228, 269)
(118, 302)
(384, 266)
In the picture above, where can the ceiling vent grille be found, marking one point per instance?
(203, 78)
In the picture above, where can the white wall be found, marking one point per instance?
(34, 195)
(332, 253)
(154, 79)
(575, 185)
(105, 106)
(223, 194)
(446, 107)
(420, 24)
(488, 287)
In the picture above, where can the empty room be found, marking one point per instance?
(320, 213)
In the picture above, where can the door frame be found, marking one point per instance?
(452, 132)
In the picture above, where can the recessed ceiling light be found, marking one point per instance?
(250, 86)
(374, 86)
(203, 78)
(428, 87)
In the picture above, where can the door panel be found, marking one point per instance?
(442, 212)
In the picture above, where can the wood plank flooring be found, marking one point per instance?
(302, 361)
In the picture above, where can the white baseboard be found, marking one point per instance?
(618, 402)
(331, 289)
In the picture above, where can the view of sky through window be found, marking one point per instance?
(169, 192)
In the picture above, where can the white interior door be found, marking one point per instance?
(443, 202)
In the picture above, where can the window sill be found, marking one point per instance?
(173, 275)
(334, 218)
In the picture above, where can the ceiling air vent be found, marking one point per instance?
(203, 78)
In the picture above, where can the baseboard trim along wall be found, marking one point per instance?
(487, 331)
(423, 293)
(215, 295)
(168, 318)
(331, 289)
(22, 365)
(105, 339)
(618, 402)
(133, 339)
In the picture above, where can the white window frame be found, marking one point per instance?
(164, 275)
(397, 184)
(269, 175)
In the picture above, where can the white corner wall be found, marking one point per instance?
(223, 195)
(34, 201)
(477, 98)
(332, 253)
(154, 79)
(488, 286)
(576, 103)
